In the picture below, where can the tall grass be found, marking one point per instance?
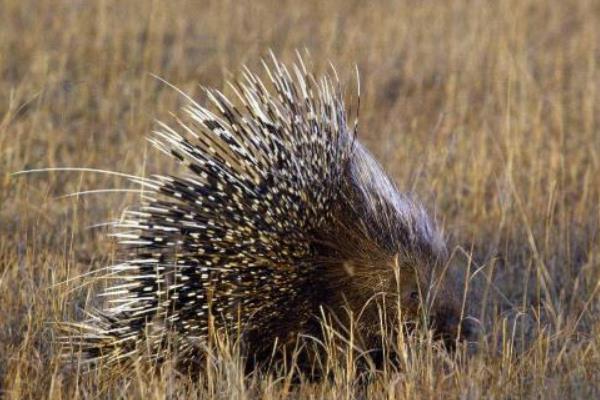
(488, 110)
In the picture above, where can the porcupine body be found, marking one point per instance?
(282, 215)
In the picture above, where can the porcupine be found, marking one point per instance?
(281, 217)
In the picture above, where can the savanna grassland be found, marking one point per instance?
(489, 111)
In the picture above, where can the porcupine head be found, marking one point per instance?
(278, 217)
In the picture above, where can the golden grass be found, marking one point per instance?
(488, 110)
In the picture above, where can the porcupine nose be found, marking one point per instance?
(469, 329)
(449, 327)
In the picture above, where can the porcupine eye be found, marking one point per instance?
(414, 296)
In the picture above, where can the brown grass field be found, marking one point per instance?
(488, 110)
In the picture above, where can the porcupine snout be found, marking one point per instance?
(449, 327)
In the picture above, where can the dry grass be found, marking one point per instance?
(488, 110)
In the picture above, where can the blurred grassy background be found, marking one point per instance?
(488, 110)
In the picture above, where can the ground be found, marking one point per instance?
(488, 111)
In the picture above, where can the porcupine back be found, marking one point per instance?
(229, 244)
